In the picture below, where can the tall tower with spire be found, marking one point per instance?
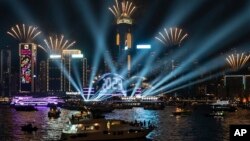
(124, 39)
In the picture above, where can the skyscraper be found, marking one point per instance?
(77, 72)
(67, 66)
(42, 85)
(75, 68)
(5, 73)
(55, 73)
(27, 54)
(124, 40)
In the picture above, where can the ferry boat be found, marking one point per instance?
(223, 105)
(35, 101)
(103, 129)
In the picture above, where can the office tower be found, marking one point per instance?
(5, 72)
(42, 85)
(75, 70)
(55, 73)
(124, 38)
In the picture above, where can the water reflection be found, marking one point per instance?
(195, 127)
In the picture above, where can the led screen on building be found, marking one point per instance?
(26, 67)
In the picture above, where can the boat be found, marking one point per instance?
(81, 116)
(181, 112)
(104, 129)
(217, 114)
(54, 112)
(36, 101)
(223, 105)
(29, 128)
(5, 100)
(25, 108)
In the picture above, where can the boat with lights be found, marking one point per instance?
(223, 105)
(181, 112)
(54, 112)
(36, 101)
(104, 129)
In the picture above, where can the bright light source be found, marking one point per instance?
(73, 93)
(126, 48)
(77, 55)
(143, 46)
(54, 56)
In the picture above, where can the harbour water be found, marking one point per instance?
(195, 127)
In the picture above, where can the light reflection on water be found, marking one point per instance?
(195, 127)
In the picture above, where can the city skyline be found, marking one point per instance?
(174, 38)
(69, 19)
(134, 70)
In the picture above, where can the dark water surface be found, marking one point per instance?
(196, 127)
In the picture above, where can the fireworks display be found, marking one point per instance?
(237, 61)
(126, 8)
(24, 33)
(55, 44)
(171, 36)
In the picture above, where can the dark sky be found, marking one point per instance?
(84, 20)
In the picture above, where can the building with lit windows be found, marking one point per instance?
(55, 73)
(67, 81)
(124, 38)
(75, 65)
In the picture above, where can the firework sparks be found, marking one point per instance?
(24, 33)
(125, 8)
(55, 45)
(171, 36)
(237, 61)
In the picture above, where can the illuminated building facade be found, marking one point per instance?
(66, 72)
(124, 42)
(27, 54)
(5, 73)
(55, 73)
(85, 72)
(124, 39)
(66, 54)
(75, 65)
(77, 71)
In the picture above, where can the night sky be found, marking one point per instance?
(83, 20)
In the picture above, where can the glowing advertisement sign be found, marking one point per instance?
(26, 67)
(112, 84)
